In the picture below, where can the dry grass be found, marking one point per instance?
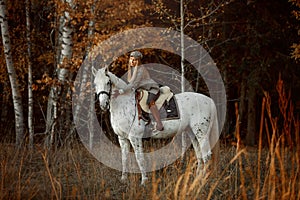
(75, 174)
(263, 172)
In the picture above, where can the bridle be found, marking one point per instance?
(105, 92)
(109, 98)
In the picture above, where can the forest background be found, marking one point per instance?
(255, 45)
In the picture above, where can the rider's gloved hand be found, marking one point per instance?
(116, 93)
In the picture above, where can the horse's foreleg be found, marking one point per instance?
(125, 146)
(139, 154)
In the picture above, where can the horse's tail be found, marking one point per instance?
(213, 132)
(213, 129)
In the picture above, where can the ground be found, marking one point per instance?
(73, 173)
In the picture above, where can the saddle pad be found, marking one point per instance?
(165, 95)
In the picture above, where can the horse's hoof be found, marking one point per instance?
(123, 178)
(144, 181)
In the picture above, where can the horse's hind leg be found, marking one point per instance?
(184, 146)
(125, 147)
(201, 133)
(197, 150)
(139, 154)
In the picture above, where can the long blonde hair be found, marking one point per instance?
(131, 76)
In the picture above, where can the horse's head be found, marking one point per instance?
(103, 87)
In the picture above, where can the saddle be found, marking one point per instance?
(165, 104)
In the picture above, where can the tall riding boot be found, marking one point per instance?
(155, 113)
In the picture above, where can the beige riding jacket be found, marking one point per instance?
(141, 79)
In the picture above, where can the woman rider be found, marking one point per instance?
(139, 78)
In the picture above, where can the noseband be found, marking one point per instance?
(104, 92)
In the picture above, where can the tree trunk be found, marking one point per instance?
(91, 120)
(251, 121)
(92, 104)
(86, 77)
(1, 103)
(30, 94)
(182, 45)
(243, 104)
(184, 143)
(16, 95)
(58, 107)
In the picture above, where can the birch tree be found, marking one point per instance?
(86, 75)
(195, 19)
(30, 94)
(182, 47)
(92, 105)
(60, 88)
(189, 21)
(16, 95)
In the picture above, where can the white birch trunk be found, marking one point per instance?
(92, 105)
(86, 78)
(183, 139)
(30, 94)
(59, 38)
(182, 45)
(85, 75)
(58, 92)
(16, 96)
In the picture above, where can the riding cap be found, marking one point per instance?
(136, 54)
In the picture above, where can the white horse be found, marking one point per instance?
(198, 117)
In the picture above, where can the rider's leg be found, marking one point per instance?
(155, 113)
(152, 97)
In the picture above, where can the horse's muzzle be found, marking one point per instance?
(103, 105)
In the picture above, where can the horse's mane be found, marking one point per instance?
(118, 82)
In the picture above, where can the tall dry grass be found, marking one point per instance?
(268, 171)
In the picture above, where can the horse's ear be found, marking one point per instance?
(106, 69)
(94, 70)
